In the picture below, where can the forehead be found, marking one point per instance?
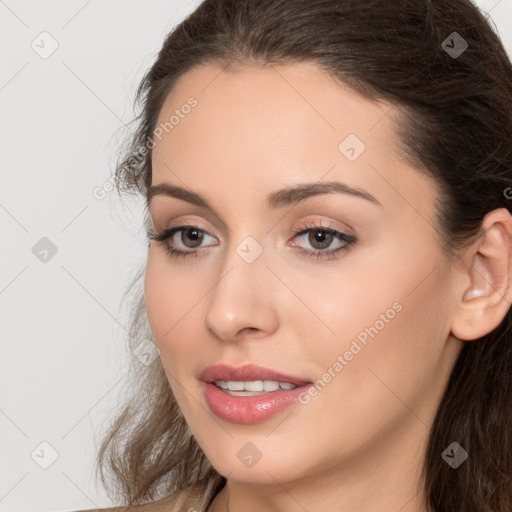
(287, 104)
(262, 127)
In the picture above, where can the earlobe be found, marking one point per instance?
(487, 268)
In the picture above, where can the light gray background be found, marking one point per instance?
(62, 362)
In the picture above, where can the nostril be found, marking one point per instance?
(247, 330)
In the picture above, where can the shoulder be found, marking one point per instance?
(186, 500)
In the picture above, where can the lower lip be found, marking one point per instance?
(249, 409)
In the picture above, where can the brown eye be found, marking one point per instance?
(188, 243)
(321, 237)
(195, 235)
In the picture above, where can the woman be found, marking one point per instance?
(328, 279)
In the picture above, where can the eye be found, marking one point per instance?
(320, 238)
(191, 238)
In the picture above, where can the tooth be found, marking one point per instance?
(270, 385)
(245, 393)
(253, 385)
(234, 385)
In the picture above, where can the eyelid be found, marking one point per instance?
(327, 224)
(181, 222)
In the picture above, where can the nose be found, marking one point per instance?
(242, 301)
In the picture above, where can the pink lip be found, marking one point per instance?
(248, 409)
(246, 372)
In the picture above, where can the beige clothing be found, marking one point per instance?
(187, 500)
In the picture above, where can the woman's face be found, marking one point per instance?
(368, 326)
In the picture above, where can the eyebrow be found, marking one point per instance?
(285, 197)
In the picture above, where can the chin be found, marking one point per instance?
(260, 473)
(257, 462)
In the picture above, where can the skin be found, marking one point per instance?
(359, 444)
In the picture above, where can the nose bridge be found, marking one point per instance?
(241, 298)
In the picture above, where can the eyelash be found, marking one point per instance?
(349, 240)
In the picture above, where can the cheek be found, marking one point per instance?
(170, 301)
(176, 298)
(160, 301)
(390, 333)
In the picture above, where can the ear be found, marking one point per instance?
(485, 292)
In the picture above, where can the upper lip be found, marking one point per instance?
(246, 372)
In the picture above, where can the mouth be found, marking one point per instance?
(249, 394)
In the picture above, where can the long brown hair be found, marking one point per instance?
(456, 126)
